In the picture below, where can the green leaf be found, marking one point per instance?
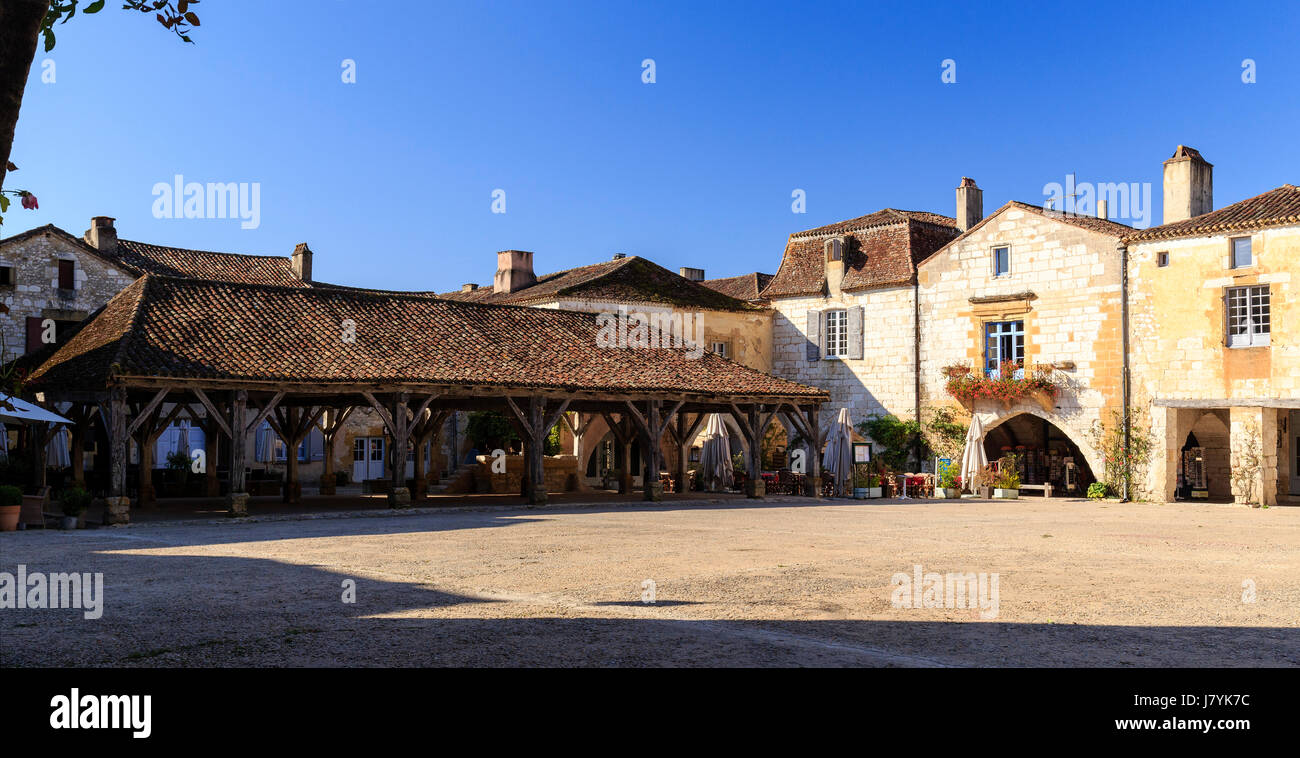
(49, 39)
(4, 203)
(94, 7)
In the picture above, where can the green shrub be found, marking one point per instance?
(75, 501)
(1008, 477)
(899, 438)
(178, 461)
(948, 477)
(10, 495)
(1097, 490)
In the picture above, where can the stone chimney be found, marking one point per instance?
(970, 204)
(1189, 185)
(694, 274)
(514, 271)
(301, 262)
(1103, 209)
(833, 254)
(468, 287)
(102, 235)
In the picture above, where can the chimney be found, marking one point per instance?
(514, 271)
(301, 261)
(619, 256)
(833, 250)
(102, 235)
(694, 274)
(1103, 209)
(1189, 185)
(468, 287)
(970, 204)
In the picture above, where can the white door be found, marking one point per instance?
(367, 458)
(1294, 427)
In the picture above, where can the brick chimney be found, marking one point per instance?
(694, 274)
(970, 204)
(102, 235)
(514, 271)
(301, 262)
(1189, 185)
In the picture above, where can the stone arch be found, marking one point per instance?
(1094, 459)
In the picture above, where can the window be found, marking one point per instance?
(1241, 254)
(720, 348)
(66, 278)
(6, 276)
(1004, 342)
(1001, 261)
(837, 333)
(1162, 259)
(1249, 316)
(359, 449)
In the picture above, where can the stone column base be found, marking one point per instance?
(654, 491)
(756, 488)
(117, 510)
(237, 504)
(537, 495)
(400, 497)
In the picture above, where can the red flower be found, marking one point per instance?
(29, 202)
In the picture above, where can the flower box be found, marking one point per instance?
(1001, 494)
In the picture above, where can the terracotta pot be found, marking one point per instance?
(9, 517)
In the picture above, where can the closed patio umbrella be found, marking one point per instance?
(838, 458)
(56, 455)
(263, 451)
(183, 439)
(715, 455)
(973, 458)
(4, 441)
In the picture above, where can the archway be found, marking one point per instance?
(1205, 459)
(1046, 450)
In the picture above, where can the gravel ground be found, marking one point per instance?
(795, 583)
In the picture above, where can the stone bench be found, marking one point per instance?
(1046, 488)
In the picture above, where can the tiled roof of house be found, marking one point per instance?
(883, 250)
(744, 287)
(624, 280)
(1091, 223)
(1277, 207)
(72, 240)
(143, 258)
(224, 332)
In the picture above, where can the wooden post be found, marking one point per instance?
(211, 434)
(292, 487)
(536, 449)
(815, 440)
(143, 440)
(685, 435)
(237, 498)
(78, 436)
(400, 496)
(117, 506)
(40, 438)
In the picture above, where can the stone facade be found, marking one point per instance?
(1187, 375)
(1064, 283)
(33, 290)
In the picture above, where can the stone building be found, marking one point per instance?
(1039, 289)
(1215, 353)
(845, 309)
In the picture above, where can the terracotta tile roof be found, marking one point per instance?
(624, 280)
(744, 287)
(75, 241)
(884, 248)
(224, 332)
(1091, 223)
(143, 258)
(1277, 207)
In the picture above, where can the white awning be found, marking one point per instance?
(24, 412)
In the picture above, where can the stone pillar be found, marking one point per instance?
(400, 496)
(1254, 445)
(237, 499)
(117, 506)
(1170, 434)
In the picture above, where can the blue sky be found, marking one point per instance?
(390, 179)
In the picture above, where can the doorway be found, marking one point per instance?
(367, 458)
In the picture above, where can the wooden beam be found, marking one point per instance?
(266, 411)
(147, 410)
(213, 413)
(384, 415)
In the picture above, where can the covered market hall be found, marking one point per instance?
(233, 357)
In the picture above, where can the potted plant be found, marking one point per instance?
(861, 484)
(11, 504)
(874, 490)
(1006, 485)
(178, 470)
(950, 482)
(75, 502)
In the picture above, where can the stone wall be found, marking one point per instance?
(1064, 284)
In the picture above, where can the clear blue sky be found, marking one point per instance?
(390, 179)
